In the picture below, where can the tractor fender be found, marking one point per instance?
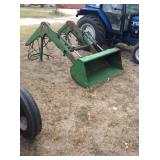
(98, 12)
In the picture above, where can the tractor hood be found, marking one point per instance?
(92, 6)
(88, 7)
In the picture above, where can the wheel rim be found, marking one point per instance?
(23, 123)
(89, 28)
(137, 54)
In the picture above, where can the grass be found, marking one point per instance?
(36, 12)
(96, 150)
(26, 31)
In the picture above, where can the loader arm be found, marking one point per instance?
(43, 31)
(89, 67)
(60, 39)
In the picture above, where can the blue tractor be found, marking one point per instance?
(110, 24)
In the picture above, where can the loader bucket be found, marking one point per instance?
(92, 69)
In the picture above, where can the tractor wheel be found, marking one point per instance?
(93, 24)
(30, 118)
(135, 54)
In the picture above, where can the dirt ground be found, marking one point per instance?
(102, 120)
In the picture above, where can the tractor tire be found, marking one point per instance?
(30, 118)
(135, 54)
(93, 24)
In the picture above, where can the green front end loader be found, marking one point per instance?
(91, 66)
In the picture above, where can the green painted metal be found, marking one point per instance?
(45, 31)
(41, 49)
(93, 69)
(86, 70)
